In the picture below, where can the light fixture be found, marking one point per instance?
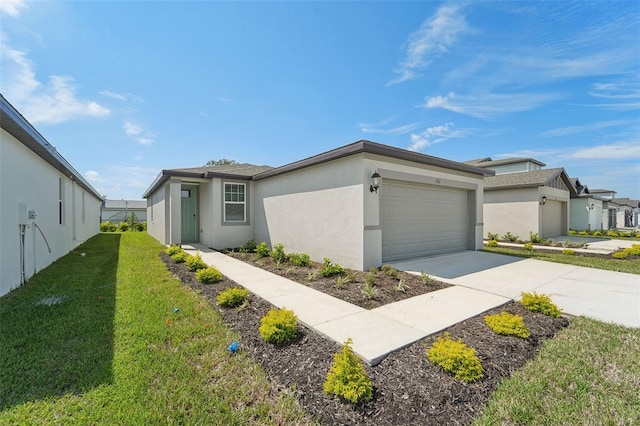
(591, 206)
(543, 200)
(375, 182)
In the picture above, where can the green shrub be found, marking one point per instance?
(208, 275)
(634, 250)
(371, 277)
(389, 270)
(426, 278)
(572, 232)
(492, 236)
(329, 269)
(262, 250)
(279, 326)
(528, 247)
(534, 237)
(568, 252)
(369, 290)
(507, 324)
(180, 257)
(347, 377)
(232, 297)
(510, 237)
(620, 254)
(454, 357)
(108, 226)
(195, 263)
(583, 233)
(299, 259)
(248, 247)
(492, 243)
(540, 303)
(278, 254)
(597, 234)
(612, 234)
(123, 226)
(173, 249)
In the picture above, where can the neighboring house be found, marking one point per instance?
(47, 207)
(628, 212)
(609, 207)
(118, 210)
(326, 205)
(586, 209)
(523, 197)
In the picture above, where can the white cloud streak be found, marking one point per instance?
(572, 130)
(434, 38)
(121, 96)
(399, 130)
(627, 150)
(137, 132)
(12, 7)
(434, 135)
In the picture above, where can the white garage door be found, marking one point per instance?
(552, 212)
(422, 220)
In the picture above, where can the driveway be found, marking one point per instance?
(604, 295)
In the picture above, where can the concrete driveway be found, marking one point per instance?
(604, 295)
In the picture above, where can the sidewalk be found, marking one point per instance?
(376, 332)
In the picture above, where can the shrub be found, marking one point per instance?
(347, 377)
(208, 275)
(123, 226)
(597, 234)
(528, 247)
(180, 257)
(455, 357)
(583, 233)
(572, 232)
(330, 269)
(492, 243)
(248, 247)
(173, 249)
(539, 303)
(108, 226)
(510, 237)
(507, 324)
(141, 226)
(492, 236)
(534, 237)
(279, 326)
(568, 252)
(612, 234)
(371, 277)
(262, 249)
(232, 297)
(300, 259)
(370, 291)
(195, 263)
(634, 250)
(402, 286)
(620, 254)
(278, 254)
(389, 270)
(426, 278)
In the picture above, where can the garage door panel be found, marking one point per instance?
(552, 219)
(420, 220)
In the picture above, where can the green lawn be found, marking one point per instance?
(105, 353)
(631, 266)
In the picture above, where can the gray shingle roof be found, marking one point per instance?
(487, 163)
(531, 179)
(241, 170)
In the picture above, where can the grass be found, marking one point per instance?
(588, 374)
(112, 351)
(631, 266)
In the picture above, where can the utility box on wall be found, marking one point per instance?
(23, 214)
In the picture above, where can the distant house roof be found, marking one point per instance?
(531, 179)
(125, 204)
(488, 162)
(602, 191)
(627, 202)
(251, 172)
(580, 188)
(16, 125)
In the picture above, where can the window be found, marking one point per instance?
(60, 201)
(185, 193)
(235, 206)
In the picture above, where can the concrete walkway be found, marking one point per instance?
(376, 332)
(604, 295)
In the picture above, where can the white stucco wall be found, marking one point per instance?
(583, 217)
(27, 179)
(156, 215)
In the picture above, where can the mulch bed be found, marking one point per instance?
(408, 389)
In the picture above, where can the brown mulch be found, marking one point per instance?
(408, 389)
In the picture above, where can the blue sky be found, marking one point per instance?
(125, 89)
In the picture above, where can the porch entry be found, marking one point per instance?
(189, 207)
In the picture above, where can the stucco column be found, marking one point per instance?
(175, 212)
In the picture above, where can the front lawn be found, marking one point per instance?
(95, 340)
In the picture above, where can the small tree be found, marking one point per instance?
(132, 220)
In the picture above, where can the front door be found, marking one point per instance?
(189, 205)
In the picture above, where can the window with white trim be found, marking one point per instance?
(235, 205)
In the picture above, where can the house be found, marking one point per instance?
(609, 207)
(628, 212)
(524, 197)
(586, 209)
(47, 207)
(359, 205)
(118, 210)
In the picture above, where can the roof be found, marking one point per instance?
(16, 125)
(626, 202)
(530, 179)
(488, 162)
(580, 188)
(251, 172)
(602, 191)
(125, 204)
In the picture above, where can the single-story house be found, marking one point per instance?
(609, 207)
(359, 205)
(586, 209)
(523, 197)
(47, 208)
(628, 212)
(118, 210)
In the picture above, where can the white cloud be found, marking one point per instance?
(225, 100)
(571, 130)
(121, 96)
(489, 105)
(93, 176)
(627, 150)
(434, 135)
(434, 37)
(52, 102)
(399, 130)
(137, 132)
(131, 129)
(12, 7)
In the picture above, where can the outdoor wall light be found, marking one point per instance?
(591, 207)
(375, 182)
(543, 200)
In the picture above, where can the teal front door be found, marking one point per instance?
(189, 205)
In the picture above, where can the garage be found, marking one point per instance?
(422, 220)
(553, 219)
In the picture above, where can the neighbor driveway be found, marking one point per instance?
(604, 295)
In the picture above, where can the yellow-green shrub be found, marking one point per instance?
(208, 275)
(455, 357)
(279, 326)
(507, 324)
(180, 257)
(540, 303)
(568, 252)
(492, 243)
(195, 263)
(620, 254)
(347, 377)
(528, 247)
(232, 297)
(173, 249)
